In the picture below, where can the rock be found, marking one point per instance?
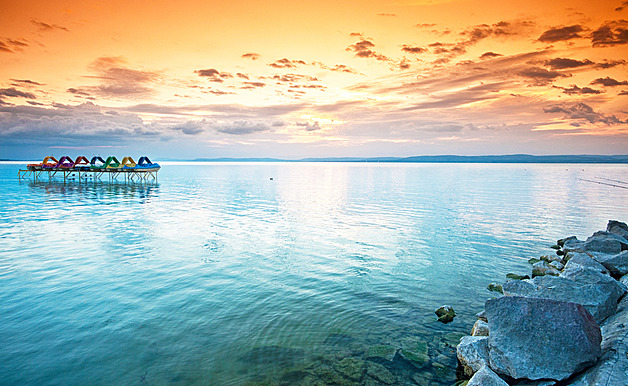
(605, 242)
(541, 382)
(472, 353)
(540, 338)
(494, 287)
(533, 260)
(514, 276)
(557, 264)
(599, 298)
(611, 368)
(542, 268)
(381, 351)
(415, 351)
(617, 264)
(480, 328)
(445, 314)
(380, 373)
(550, 258)
(481, 315)
(618, 228)
(584, 260)
(555, 246)
(572, 244)
(486, 377)
(351, 368)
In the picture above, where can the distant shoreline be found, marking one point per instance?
(487, 159)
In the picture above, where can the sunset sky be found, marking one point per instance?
(293, 79)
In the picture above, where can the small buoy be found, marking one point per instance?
(271, 178)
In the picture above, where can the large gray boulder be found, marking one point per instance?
(605, 242)
(618, 228)
(616, 264)
(486, 377)
(540, 338)
(584, 260)
(472, 352)
(612, 368)
(572, 244)
(598, 295)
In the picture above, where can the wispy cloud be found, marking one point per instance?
(214, 75)
(611, 33)
(609, 82)
(558, 34)
(48, 27)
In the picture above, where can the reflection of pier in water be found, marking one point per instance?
(73, 188)
(113, 175)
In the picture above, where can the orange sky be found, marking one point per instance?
(298, 79)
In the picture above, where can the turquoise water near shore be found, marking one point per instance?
(219, 275)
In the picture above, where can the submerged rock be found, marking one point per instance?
(472, 353)
(351, 368)
(445, 314)
(486, 377)
(380, 373)
(514, 276)
(381, 351)
(415, 351)
(540, 338)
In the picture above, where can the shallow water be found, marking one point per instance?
(219, 275)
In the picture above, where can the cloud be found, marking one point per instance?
(48, 27)
(286, 63)
(609, 82)
(243, 128)
(611, 33)
(413, 49)
(14, 93)
(79, 92)
(12, 45)
(610, 63)
(490, 55)
(251, 55)
(580, 112)
(252, 85)
(386, 14)
(425, 25)
(118, 80)
(562, 34)
(214, 75)
(575, 90)
(338, 68)
(27, 82)
(242, 76)
(624, 92)
(542, 76)
(295, 78)
(308, 126)
(623, 5)
(562, 63)
(364, 49)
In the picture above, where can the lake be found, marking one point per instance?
(273, 273)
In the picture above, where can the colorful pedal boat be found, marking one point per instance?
(49, 161)
(145, 163)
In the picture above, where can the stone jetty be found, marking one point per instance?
(566, 325)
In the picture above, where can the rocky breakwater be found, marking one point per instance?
(566, 325)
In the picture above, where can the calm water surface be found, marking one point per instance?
(220, 275)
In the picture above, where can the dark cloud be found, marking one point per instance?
(364, 49)
(242, 76)
(14, 93)
(32, 103)
(610, 63)
(79, 92)
(575, 90)
(611, 33)
(286, 63)
(386, 14)
(242, 128)
(425, 25)
(562, 63)
(251, 55)
(623, 5)
(214, 75)
(562, 33)
(252, 85)
(295, 78)
(48, 27)
(12, 45)
(308, 126)
(118, 80)
(624, 92)
(541, 76)
(609, 82)
(404, 64)
(338, 68)
(26, 82)
(490, 55)
(581, 112)
(413, 49)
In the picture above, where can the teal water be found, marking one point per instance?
(219, 275)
